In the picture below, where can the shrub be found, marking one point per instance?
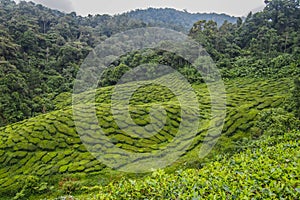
(32, 185)
(276, 121)
(69, 185)
(296, 97)
(261, 171)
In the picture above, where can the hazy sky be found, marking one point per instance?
(84, 7)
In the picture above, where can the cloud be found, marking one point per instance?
(62, 5)
(232, 7)
(85, 7)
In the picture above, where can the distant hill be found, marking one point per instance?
(179, 20)
(41, 50)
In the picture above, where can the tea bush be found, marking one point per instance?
(268, 169)
(49, 146)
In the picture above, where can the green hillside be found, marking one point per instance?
(175, 19)
(49, 150)
(42, 50)
(265, 169)
(48, 145)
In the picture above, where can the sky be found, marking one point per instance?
(85, 7)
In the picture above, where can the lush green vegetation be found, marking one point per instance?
(266, 169)
(48, 145)
(174, 19)
(262, 43)
(42, 155)
(42, 50)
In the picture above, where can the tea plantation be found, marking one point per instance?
(267, 169)
(44, 156)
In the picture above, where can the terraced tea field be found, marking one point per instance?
(260, 171)
(49, 145)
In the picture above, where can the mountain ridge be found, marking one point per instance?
(169, 16)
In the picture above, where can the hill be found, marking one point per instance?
(175, 19)
(259, 171)
(48, 148)
(44, 150)
(42, 50)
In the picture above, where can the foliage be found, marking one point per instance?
(296, 97)
(268, 168)
(276, 121)
(32, 185)
(69, 185)
(48, 145)
(262, 45)
(41, 51)
(174, 19)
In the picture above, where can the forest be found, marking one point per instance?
(42, 155)
(42, 49)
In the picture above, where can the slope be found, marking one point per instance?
(48, 145)
(175, 19)
(266, 169)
